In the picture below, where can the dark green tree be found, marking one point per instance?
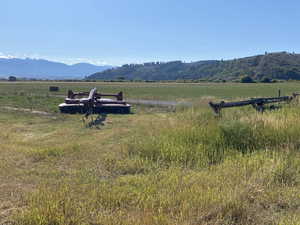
(12, 78)
(247, 79)
(266, 80)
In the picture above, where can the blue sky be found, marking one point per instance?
(132, 31)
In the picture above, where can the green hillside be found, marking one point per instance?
(281, 65)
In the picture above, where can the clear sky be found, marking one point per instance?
(131, 31)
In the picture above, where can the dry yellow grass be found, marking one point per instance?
(151, 168)
(36, 149)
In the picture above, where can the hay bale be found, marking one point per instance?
(53, 88)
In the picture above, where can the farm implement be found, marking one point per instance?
(93, 102)
(260, 104)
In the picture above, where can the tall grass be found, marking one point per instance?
(187, 168)
(240, 191)
(197, 139)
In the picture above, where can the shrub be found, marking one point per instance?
(266, 80)
(12, 78)
(247, 79)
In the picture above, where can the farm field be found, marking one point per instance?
(153, 91)
(35, 94)
(154, 166)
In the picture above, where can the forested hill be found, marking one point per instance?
(281, 65)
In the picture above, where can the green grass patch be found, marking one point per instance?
(153, 166)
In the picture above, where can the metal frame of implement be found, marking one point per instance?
(94, 103)
(257, 103)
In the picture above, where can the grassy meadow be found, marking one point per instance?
(33, 93)
(154, 166)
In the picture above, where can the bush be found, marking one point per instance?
(12, 78)
(247, 79)
(266, 80)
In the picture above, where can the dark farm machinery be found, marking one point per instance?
(260, 104)
(93, 102)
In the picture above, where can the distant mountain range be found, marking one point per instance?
(280, 65)
(44, 69)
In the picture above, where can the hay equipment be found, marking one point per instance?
(93, 102)
(53, 88)
(260, 104)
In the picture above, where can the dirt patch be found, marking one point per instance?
(27, 110)
(157, 102)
